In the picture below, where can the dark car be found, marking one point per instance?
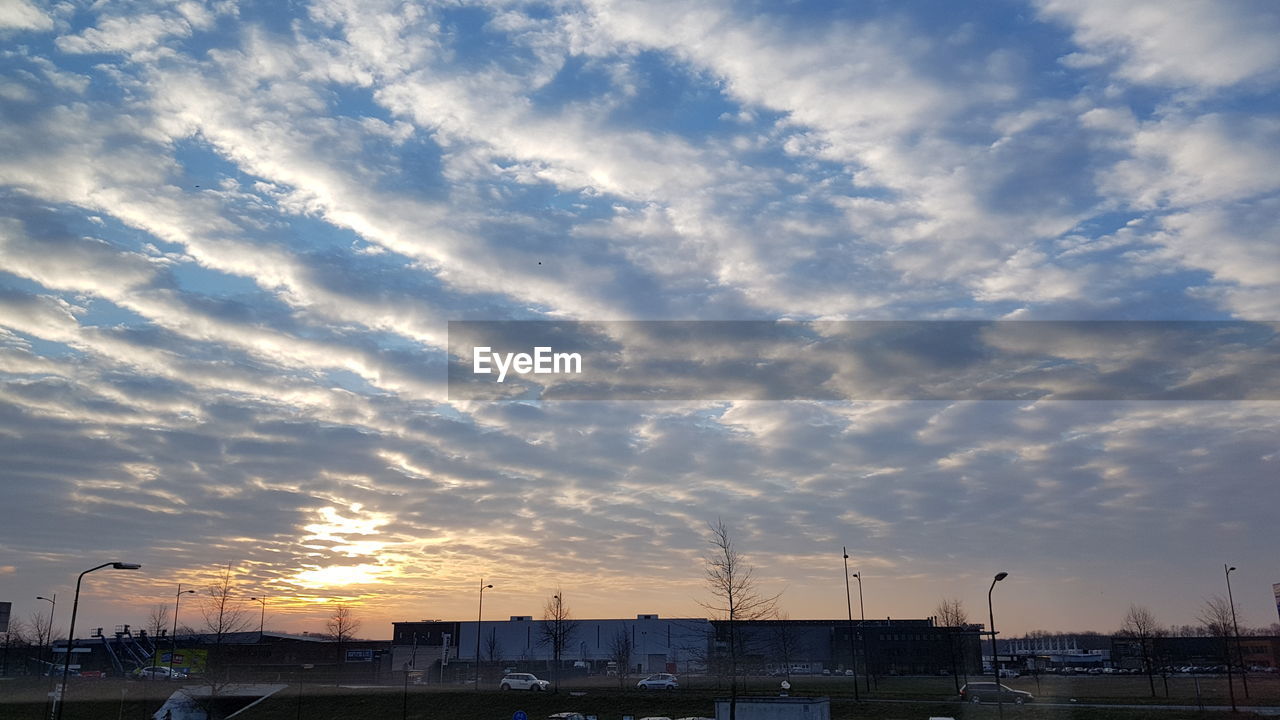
(986, 692)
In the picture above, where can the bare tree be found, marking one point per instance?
(40, 629)
(341, 628)
(342, 624)
(18, 636)
(735, 597)
(1189, 631)
(1215, 617)
(620, 651)
(952, 615)
(785, 643)
(493, 647)
(223, 613)
(158, 619)
(1141, 627)
(557, 630)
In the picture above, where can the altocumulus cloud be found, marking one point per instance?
(232, 235)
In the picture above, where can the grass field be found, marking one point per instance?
(911, 698)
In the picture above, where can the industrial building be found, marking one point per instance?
(449, 649)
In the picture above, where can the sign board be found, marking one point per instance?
(1276, 590)
(520, 715)
(5, 608)
(359, 656)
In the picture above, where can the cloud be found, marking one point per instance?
(1182, 161)
(231, 239)
(141, 33)
(1197, 43)
(22, 15)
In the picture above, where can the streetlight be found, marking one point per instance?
(71, 633)
(853, 653)
(262, 619)
(1236, 628)
(53, 602)
(479, 619)
(173, 639)
(558, 640)
(995, 655)
(866, 656)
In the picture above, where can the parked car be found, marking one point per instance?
(987, 692)
(659, 681)
(523, 681)
(157, 673)
(567, 716)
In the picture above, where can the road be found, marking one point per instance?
(1260, 710)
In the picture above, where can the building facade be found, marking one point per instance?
(685, 645)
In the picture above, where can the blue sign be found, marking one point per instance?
(520, 715)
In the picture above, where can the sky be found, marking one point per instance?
(233, 235)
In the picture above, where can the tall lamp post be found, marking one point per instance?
(479, 619)
(61, 700)
(173, 639)
(1236, 629)
(853, 652)
(995, 655)
(866, 656)
(262, 618)
(558, 639)
(53, 602)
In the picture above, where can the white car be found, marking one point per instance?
(523, 681)
(659, 681)
(159, 673)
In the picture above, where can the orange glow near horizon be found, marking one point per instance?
(342, 576)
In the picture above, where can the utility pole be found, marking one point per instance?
(853, 652)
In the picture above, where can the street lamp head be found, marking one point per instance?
(126, 566)
(1230, 569)
(186, 592)
(488, 586)
(1001, 575)
(41, 597)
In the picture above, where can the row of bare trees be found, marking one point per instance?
(222, 611)
(1216, 620)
